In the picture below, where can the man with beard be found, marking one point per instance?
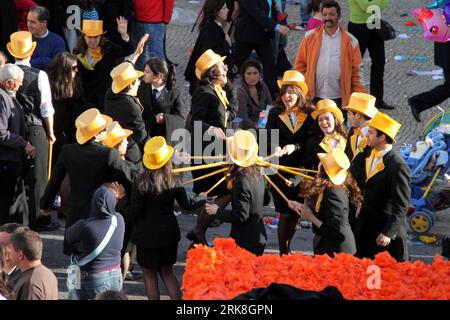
(330, 59)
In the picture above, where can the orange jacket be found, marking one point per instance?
(351, 61)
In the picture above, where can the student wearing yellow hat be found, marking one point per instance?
(361, 109)
(327, 133)
(122, 105)
(214, 106)
(248, 195)
(386, 194)
(290, 119)
(327, 204)
(98, 56)
(88, 164)
(157, 232)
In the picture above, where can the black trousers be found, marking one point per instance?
(37, 171)
(267, 57)
(369, 39)
(10, 183)
(429, 99)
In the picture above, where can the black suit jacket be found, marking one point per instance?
(88, 166)
(253, 24)
(212, 37)
(171, 103)
(442, 55)
(126, 110)
(247, 224)
(336, 234)
(385, 204)
(155, 224)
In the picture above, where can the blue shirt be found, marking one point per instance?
(47, 48)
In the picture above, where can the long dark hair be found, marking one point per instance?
(252, 172)
(303, 101)
(338, 127)
(310, 189)
(210, 10)
(62, 84)
(159, 66)
(156, 181)
(313, 6)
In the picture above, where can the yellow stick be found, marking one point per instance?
(217, 183)
(50, 155)
(300, 169)
(207, 157)
(432, 182)
(199, 167)
(279, 192)
(206, 175)
(286, 181)
(282, 168)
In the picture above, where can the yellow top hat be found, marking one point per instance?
(115, 134)
(156, 153)
(206, 61)
(123, 75)
(21, 45)
(363, 103)
(89, 123)
(293, 77)
(92, 28)
(328, 105)
(335, 163)
(243, 148)
(385, 124)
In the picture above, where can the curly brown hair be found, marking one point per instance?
(303, 102)
(311, 189)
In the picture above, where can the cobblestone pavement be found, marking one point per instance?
(398, 86)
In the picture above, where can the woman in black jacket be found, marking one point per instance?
(156, 232)
(122, 105)
(248, 195)
(327, 202)
(212, 36)
(97, 56)
(290, 119)
(164, 106)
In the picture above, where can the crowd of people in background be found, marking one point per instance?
(87, 118)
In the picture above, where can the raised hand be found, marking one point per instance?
(122, 26)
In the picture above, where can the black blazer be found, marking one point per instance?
(336, 234)
(253, 24)
(277, 121)
(247, 224)
(171, 103)
(212, 37)
(384, 208)
(155, 224)
(127, 110)
(208, 110)
(97, 81)
(88, 166)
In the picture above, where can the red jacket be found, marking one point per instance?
(153, 11)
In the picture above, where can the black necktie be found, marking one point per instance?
(154, 93)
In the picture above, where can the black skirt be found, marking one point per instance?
(154, 258)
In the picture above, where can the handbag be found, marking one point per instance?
(73, 270)
(386, 31)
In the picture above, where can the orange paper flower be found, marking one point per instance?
(226, 270)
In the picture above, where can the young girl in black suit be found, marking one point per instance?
(156, 233)
(327, 201)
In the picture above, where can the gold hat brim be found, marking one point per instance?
(23, 55)
(151, 165)
(338, 178)
(113, 142)
(93, 33)
(82, 139)
(199, 72)
(116, 88)
(302, 85)
(242, 163)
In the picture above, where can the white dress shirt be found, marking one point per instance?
(46, 106)
(328, 69)
(383, 153)
(160, 89)
(364, 132)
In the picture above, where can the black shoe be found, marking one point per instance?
(386, 106)
(414, 111)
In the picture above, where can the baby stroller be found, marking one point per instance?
(429, 163)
